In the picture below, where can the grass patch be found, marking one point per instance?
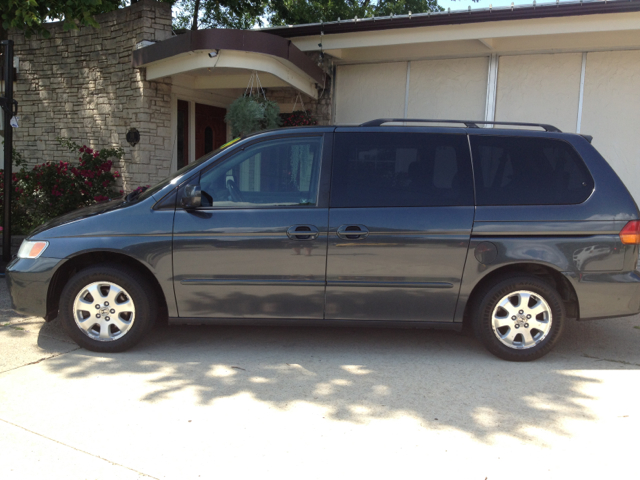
(12, 326)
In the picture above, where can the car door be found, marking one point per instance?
(400, 220)
(256, 248)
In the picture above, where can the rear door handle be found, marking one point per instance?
(352, 232)
(303, 232)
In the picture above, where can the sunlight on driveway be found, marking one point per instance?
(221, 402)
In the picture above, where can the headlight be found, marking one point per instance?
(32, 249)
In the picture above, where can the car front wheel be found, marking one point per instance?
(107, 309)
(520, 318)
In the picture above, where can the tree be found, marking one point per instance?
(241, 14)
(30, 16)
(245, 14)
(297, 12)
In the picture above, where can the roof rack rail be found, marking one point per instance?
(468, 123)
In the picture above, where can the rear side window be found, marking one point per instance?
(401, 170)
(528, 171)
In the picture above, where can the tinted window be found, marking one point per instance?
(528, 171)
(282, 172)
(401, 170)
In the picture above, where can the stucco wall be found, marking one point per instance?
(366, 92)
(611, 111)
(80, 84)
(454, 89)
(539, 88)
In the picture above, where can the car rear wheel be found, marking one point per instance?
(519, 318)
(107, 309)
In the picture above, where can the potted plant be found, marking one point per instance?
(249, 114)
(298, 118)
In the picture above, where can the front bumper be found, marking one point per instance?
(28, 281)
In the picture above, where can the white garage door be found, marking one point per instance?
(366, 92)
(448, 89)
(539, 89)
(611, 112)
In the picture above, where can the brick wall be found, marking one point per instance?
(80, 84)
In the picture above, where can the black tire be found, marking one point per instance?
(135, 288)
(487, 302)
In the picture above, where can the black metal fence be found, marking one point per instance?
(10, 109)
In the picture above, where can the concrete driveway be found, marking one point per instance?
(232, 402)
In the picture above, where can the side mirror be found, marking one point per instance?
(192, 197)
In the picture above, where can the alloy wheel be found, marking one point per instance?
(104, 311)
(521, 319)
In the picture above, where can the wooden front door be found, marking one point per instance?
(211, 131)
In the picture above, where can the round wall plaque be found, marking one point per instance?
(133, 136)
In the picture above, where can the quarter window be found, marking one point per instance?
(282, 172)
(401, 170)
(528, 171)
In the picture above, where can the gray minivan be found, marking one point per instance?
(512, 231)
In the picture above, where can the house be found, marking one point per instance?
(575, 65)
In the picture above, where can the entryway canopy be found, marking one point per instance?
(225, 59)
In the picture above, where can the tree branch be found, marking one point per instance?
(196, 10)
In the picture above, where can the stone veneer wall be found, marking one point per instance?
(80, 84)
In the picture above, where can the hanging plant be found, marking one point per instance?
(299, 118)
(252, 113)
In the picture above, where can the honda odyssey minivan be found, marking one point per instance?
(515, 232)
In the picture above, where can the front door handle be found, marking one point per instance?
(352, 232)
(303, 232)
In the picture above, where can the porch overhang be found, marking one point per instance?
(223, 59)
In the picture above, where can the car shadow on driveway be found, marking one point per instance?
(443, 379)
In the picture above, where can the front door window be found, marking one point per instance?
(282, 172)
(208, 140)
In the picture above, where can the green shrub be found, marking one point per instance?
(52, 189)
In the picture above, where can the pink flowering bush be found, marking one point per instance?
(52, 189)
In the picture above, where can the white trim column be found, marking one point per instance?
(492, 89)
(406, 92)
(581, 97)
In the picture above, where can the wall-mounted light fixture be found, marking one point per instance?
(133, 136)
(213, 54)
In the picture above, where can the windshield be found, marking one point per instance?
(186, 169)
